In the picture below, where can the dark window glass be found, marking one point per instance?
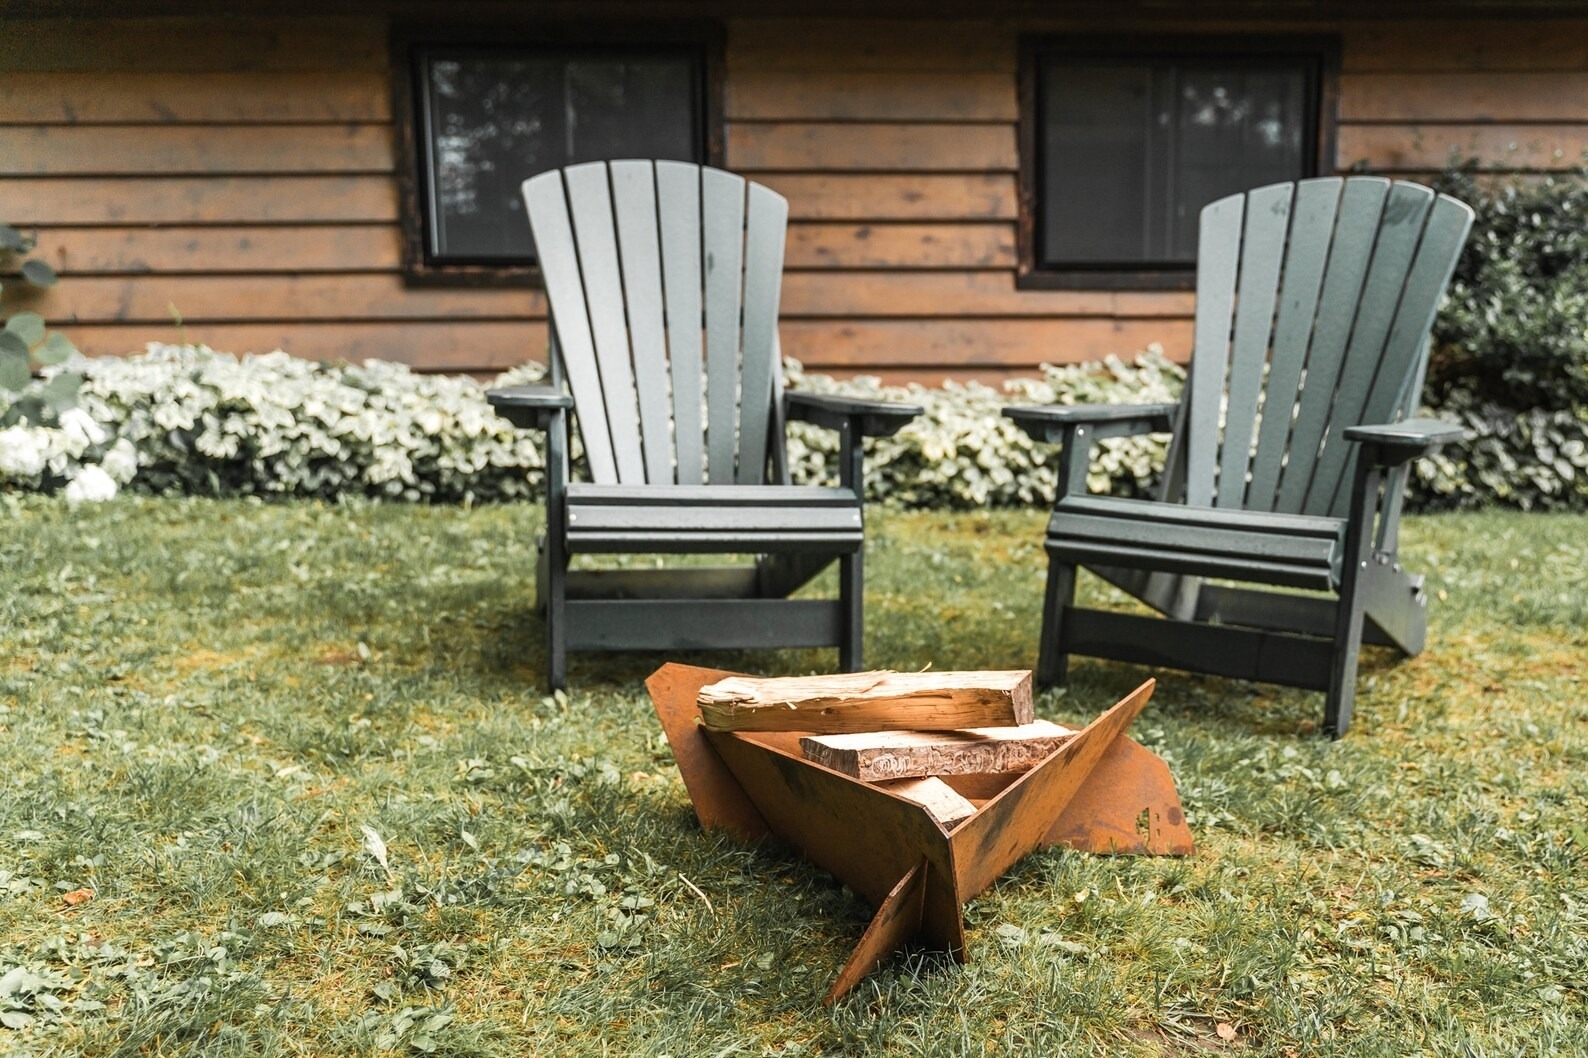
(492, 119)
(1130, 150)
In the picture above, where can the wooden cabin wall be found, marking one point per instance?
(239, 173)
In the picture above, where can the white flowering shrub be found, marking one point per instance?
(962, 452)
(186, 420)
(208, 423)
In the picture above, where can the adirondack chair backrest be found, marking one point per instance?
(654, 270)
(1314, 303)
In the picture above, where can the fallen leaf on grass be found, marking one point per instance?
(1225, 1030)
(77, 896)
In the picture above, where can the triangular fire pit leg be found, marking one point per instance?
(896, 921)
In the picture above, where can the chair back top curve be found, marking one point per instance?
(663, 281)
(1314, 304)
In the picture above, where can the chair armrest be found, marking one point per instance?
(1394, 443)
(532, 407)
(1056, 423)
(874, 418)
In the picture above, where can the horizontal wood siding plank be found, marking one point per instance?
(822, 295)
(150, 299)
(968, 294)
(884, 196)
(438, 346)
(110, 200)
(1430, 147)
(759, 94)
(1455, 44)
(140, 251)
(1468, 98)
(921, 147)
(900, 246)
(171, 98)
(870, 44)
(964, 344)
(196, 44)
(197, 150)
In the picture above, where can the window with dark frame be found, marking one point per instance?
(482, 118)
(1126, 141)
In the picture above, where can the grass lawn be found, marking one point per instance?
(204, 704)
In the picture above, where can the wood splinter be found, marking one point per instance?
(873, 756)
(868, 701)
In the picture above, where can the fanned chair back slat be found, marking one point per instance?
(678, 205)
(1218, 258)
(1312, 223)
(634, 202)
(663, 284)
(766, 220)
(1262, 246)
(1369, 361)
(590, 204)
(1313, 303)
(722, 230)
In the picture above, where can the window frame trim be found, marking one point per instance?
(1323, 49)
(408, 39)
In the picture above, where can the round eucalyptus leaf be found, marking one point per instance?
(29, 326)
(60, 392)
(57, 349)
(26, 410)
(38, 273)
(9, 342)
(11, 239)
(14, 372)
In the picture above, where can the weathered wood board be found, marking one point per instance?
(941, 801)
(868, 701)
(873, 756)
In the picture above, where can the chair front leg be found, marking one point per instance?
(851, 589)
(1348, 619)
(1053, 662)
(555, 555)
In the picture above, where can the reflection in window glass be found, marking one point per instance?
(1131, 150)
(494, 119)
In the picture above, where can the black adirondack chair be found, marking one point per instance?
(663, 281)
(1290, 449)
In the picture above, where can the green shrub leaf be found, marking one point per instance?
(11, 239)
(28, 326)
(38, 273)
(14, 372)
(57, 349)
(60, 392)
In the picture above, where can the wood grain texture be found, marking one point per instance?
(1438, 45)
(480, 347)
(62, 150)
(275, 199)
(281, 298)
(303, 96)
(940, 800)
(860, 146)
(222, 249)
(933, 345)
(825, 245)
(194, 43)
(965, 294)
(868, 701)
(872, 756)
(1465, 98)
(889, 196)
(870, 44)
(761, 94)
(1423, 148)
